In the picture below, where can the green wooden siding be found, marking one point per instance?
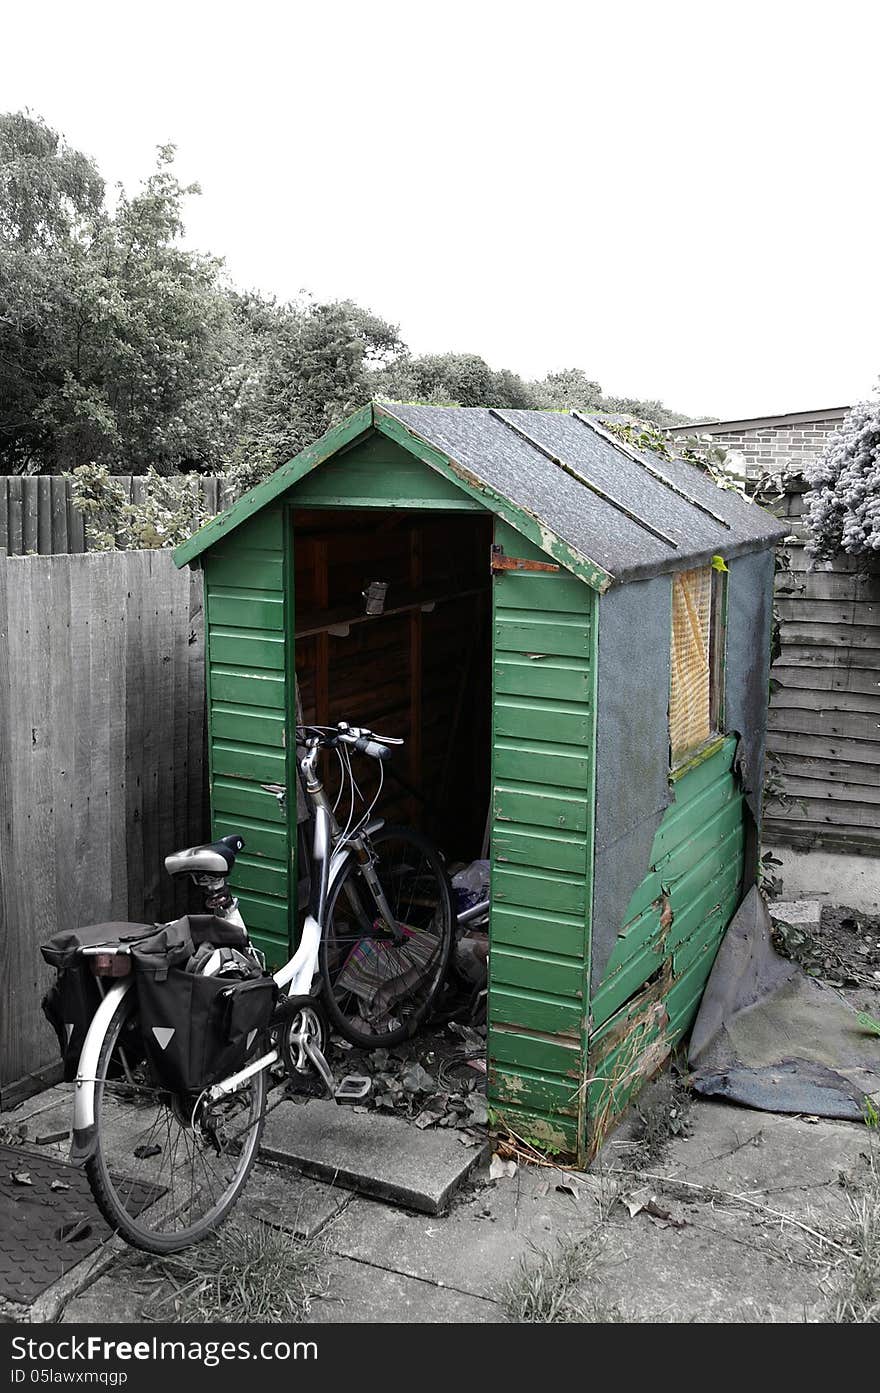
(247, 724)
(379, 473)
(655, 976)
(542, 823)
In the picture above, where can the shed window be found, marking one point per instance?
(697, 632)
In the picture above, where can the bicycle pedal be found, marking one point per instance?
(353, 1088)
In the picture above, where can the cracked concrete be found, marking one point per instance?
(732, 1248)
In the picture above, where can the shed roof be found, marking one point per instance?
(610, 512)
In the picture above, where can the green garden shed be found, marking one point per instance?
(575, 642)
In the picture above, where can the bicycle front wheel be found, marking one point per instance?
(167, 1168)
(380, 980)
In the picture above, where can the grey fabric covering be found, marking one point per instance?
(632, 744)
(747, 667)
(770, 1037)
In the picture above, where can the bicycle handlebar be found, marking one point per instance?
(365, 741)
(372, 748)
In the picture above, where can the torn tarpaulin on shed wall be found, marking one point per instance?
(770, 1037)
(632, 743)
(747, 669)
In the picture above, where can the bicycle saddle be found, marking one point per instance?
(214, 858)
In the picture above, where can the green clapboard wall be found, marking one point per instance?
(542, 825)
(669, 935)
(249, 702)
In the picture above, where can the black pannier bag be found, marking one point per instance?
(74, 997)
(196, 1027)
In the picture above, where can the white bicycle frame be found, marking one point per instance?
(297, 974)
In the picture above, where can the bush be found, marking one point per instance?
(843, 504)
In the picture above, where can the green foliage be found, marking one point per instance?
(843, 504)
(767, 879)
(172, 508)
(311, 365)
(568, 390)
(121, 349)
(45, 187)
(572, 390)
(450, 379)
(117, 346)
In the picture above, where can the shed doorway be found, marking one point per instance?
(420, 670)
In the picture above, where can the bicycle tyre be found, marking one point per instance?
(120, 1186)
(336, 945)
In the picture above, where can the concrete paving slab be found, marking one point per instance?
(362, 1293)
(784, 1162)
(290, 1202)
(807, 914)
(724, 1266)
(45, 1115)
(370, 1152)
(478, 1245)
(115, 1298)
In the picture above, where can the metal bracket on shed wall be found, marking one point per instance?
(500, 562)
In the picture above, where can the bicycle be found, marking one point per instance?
(165, 1169)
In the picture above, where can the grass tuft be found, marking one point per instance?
(856, 1298)
(244, 1272)
(546, 1288)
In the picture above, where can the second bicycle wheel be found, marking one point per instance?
(379, 985)
(167, 1168)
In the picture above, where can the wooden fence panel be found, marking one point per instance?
(102, 737)
(37, 515)
(824, 722)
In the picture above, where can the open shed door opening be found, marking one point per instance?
(419, 670)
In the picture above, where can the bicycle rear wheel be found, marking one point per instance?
(378, 987)
(167, 1169)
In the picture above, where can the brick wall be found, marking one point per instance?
(772, 448)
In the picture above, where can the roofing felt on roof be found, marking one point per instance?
(629, 514)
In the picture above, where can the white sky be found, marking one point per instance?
(681, 198)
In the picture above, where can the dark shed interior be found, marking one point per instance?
(420, 670)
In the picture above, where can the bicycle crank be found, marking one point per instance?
(303, 1037)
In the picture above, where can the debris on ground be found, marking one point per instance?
(470, 951)
(437, 1079)
(661, 1115)
(838, 944)
(500, 1169)
(644, 1201)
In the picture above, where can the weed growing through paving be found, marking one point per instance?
(546, 1288)
(242, 1273)
(856, 1280)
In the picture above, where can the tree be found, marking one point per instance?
(569, 390)
(452, 379)
(572, 390)
(45, 186)
(117, 346)
(311, 365)
(843, 504)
